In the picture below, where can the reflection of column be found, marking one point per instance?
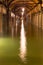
(41, 17)
(41, 4)
(7, 21)
(41, 24)
(42, 20)
(38, 24)
(1, 20)
(16, 28)
(12, 27)
(30, 24)
(32, 33)
(15, 25)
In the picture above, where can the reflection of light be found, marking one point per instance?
(12, 14)
(22, 13)
(22, 43)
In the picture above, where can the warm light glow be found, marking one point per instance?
(12, 14)
(23, 11)
(2, 10)
(42, 5)
(22, 43)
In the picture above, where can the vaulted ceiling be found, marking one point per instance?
(16, 5)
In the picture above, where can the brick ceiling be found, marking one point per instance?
(16, 5)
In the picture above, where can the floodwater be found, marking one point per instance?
(10, 50)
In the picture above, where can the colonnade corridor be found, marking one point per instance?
(21, 32)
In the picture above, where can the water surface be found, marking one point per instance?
(10, 49)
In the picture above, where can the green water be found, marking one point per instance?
(10, 49)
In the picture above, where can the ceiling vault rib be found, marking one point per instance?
(40, 1)
(10, 2)
(15, 4)
(33, 7)
(2, 3)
